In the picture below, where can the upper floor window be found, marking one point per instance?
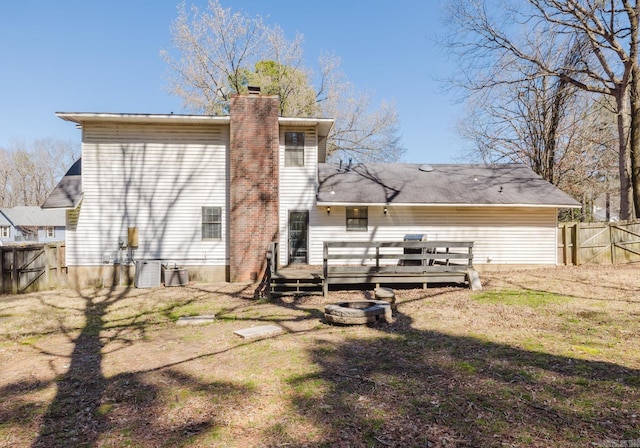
(357, 218)
(211, 223)
(51, 232)
(294, 149)
(4, 231)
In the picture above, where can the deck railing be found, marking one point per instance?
(396, 261)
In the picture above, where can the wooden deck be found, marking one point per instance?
(388, 262)
(380, 263)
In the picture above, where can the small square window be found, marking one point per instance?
(211, 223)
(357, 218)
(294, 149)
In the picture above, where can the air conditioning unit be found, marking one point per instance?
(147, 274)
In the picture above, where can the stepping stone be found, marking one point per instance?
(261, 331)
(196, 320)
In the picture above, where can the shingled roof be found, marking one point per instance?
(437, 185)
(30, 216)
(68, 192)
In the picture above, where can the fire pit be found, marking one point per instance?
(358, 313)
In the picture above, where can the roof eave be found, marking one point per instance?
(324, 125)
(72, 206)
(84, 117)
(435, 204)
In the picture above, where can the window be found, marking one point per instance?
(4, 231)
(294, 149)
(50, 232)
(211, 223)
(357, 218)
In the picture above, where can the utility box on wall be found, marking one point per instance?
(147, 274)
(132, 237)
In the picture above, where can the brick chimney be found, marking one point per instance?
(253, 183)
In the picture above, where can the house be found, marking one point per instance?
(210, 193)
(31, 224)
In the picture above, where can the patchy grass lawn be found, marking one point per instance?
(539, 358)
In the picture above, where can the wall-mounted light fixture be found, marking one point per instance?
(328, 210)
(385, 210)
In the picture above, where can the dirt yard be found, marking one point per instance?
(539, 358)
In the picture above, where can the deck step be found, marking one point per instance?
(277, 293)
(291, 286)
(297, 284)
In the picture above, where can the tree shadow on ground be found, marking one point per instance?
(417, 388)
(126, 409)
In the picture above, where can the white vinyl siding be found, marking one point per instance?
(297, 185)
(502, 235)
(156, 178)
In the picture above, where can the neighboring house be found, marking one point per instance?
(211, 192)
(31, 224)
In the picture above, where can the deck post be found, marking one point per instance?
(325, 279)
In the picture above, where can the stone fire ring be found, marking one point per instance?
(358, 313)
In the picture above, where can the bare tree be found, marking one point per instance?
(28, 172)
(360, 134)
(6, 192)
(491, 34)
(214, 46)
(220, 52)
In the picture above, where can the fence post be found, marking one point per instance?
(576, 246)
(14, 272)
(58, 265)
(1, 271)
(47, 253)
(562, 235)
(612, 245)
(566, 241)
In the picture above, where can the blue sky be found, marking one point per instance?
(103, 56)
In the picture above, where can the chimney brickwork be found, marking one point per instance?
(253, 184)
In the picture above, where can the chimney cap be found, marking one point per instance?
(253, 90)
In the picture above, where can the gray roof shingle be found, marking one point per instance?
(438, 184)
(30, 216)
(68, 192)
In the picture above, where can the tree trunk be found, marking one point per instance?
(634, 141)
(622, 113)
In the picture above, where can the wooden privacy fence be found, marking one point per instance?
(599, 243)
(34, 267)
